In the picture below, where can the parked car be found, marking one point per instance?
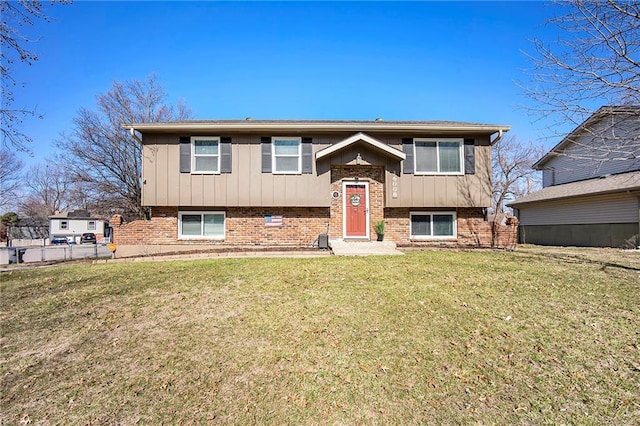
(56, 240)
(88, 238)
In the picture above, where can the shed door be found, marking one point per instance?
(356, 211)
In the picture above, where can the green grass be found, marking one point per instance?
(434, 337)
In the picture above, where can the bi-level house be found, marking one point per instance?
(591, 185)
(284, 182)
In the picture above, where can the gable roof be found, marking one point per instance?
(361, 137)
(578, 131)
(622, 182)
(320, 126)
(72, 214)
(29, 222)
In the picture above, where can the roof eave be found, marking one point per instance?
(518, 203)
(597, 115)
(317, 127)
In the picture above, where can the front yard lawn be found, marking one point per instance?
(435, 337)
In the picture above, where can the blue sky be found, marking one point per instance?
(328, 60)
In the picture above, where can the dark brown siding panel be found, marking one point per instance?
(307, 156)
(265, 143)
(407, 147)
(185, 155)
(469, 157)
(225, 154)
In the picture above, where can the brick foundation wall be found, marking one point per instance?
(244, 226)
(473, 230)
(162, 228)
(301, 226)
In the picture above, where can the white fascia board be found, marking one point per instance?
(361, 137)
(250, 126)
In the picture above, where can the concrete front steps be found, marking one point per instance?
(363, 248)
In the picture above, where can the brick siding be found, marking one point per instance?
(473, 230)
(244, 226)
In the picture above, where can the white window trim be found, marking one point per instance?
(65, 223)
(202, 237)
(434, 237)
(193, 154)
(91, 225)
(273, 155)
(438, 140)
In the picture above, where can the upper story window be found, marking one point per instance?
(287, 157)
(438, 156)
(205, 152)
(91, 225)
(64, 224)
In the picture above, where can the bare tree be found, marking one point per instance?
(16, 16)
(48, 189)
(107, 158)
(512, 173)
(595, 62)
(10, 174)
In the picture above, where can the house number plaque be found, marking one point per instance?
(394, 186)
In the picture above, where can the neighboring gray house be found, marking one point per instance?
(591, 186)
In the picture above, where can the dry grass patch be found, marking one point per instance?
(431, 337)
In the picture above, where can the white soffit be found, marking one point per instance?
(364, 138)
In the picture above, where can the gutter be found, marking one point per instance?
(518, 203)
(253, 126)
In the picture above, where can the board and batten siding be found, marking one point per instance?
(597, 153)
(246, 185)
(607, 208)
(469, 190)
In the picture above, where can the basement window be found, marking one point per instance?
(430, 225)
(201, 225)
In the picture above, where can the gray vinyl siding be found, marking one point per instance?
(609, 208)
(548, 178)
(247, 185)
(602, 151)
(624, 235)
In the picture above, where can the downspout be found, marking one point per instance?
(496, 140)
(136, 137)
(142, 180)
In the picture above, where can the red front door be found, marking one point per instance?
(356, 211)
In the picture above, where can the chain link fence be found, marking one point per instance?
(52, 253)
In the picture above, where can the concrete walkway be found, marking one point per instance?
(363, 248)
